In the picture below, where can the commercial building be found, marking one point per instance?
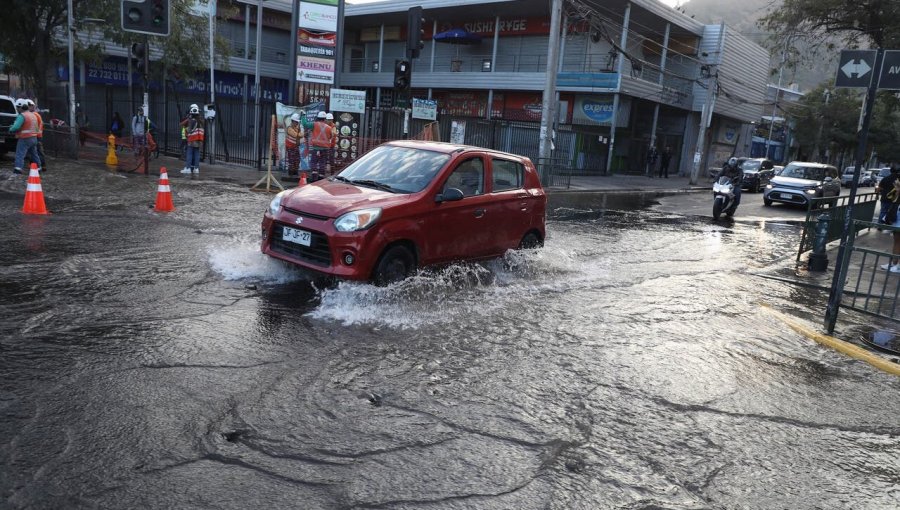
(631, 74)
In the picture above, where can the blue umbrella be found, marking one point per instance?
(457, 36)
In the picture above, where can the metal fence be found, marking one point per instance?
(835, 210)
(867, 283)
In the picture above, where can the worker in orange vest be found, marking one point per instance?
(195, 137)
(292, 140)
(329, 119)
(32, 107)
(26, 129)
(319, 146)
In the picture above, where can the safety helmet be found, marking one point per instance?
(29, 102)
(21, 103)
(320, 115)
(329, 116)
(295, 117)
(732, 161)
(194, 109)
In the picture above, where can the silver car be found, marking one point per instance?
(800, 181)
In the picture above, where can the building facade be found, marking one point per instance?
(631, 75)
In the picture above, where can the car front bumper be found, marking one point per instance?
(789, 195)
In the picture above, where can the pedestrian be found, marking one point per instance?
(81, 119)
(664, 161)
(884, 188)
(26, 129)
(32, 107)
(319, 145)
(652, 156)
(116, 127)
(139, 126)
(183, 146)
(293, 135)
(893, 219)
(195, 137)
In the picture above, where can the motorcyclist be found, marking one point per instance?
(733, 171)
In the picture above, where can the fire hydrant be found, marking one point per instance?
(111, 158)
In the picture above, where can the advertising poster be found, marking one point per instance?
(599, 110)
(283, 114)
(352, 101)
(458, 131)
(315, 70)
(315, 16)
(348, 127)
(424, 109)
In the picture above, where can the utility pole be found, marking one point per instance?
(212, 82)
(775, 102)
(705, 120)
(548, 108)
(71, 29)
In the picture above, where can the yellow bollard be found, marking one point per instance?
(111, 158)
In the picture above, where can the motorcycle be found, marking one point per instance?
(723, 198)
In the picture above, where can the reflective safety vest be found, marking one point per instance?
(183, 133)
(30, 127)
(321, 136)
(196, 134)
(40, 122)
(292, 134)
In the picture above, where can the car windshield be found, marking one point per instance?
(398, 169)
(804, 172)
(884, 172)
(751, 165)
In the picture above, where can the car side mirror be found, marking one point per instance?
(449, 195)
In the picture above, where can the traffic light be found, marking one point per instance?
(415, 24)
(402, 75)
(139, 52)
(146, 16)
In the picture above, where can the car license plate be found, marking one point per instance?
(298, 236)
(787, 196)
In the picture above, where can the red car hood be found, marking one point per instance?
(333, 198)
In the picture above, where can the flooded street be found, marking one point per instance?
(160, 361)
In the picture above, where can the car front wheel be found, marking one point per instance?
(395, 264)
(530, 241)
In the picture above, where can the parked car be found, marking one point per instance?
(847, 176)
(406, 205)
(882, 173)
(800, 181)
(868, 178)
(8, 115)
(757, 173)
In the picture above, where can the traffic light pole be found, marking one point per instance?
(146, 105)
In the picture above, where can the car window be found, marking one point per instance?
(507, 174)
(468, 177)
(803, 172)
(831, 172)
(750, 165)
(7, 106)
(405, 169)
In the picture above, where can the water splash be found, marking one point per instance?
(242, 260)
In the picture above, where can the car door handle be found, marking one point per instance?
(479, 213)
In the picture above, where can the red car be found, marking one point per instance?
(406, 205)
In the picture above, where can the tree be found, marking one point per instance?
(823, 22)
(35, 39)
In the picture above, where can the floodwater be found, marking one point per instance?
(161, 361)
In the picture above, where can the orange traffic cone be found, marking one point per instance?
(164, 193)
(34, 195)
(302, 179)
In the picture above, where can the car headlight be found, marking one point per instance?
(769, 186)
(812, 191)
(357, 220)
(275, 204)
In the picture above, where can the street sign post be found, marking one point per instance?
(855, 68)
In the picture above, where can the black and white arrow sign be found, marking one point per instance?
(854, 68)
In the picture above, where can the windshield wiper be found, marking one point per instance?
(339, 178)
(374, 184)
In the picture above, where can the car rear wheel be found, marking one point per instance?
(530, 241)
(395, 264)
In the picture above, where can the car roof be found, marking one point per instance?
(448, 148)
(810, 164)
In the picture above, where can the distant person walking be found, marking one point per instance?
(139, 126)
(664, 161)
(32, 107)
(319, 146)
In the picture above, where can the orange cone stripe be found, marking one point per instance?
(33, 187)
